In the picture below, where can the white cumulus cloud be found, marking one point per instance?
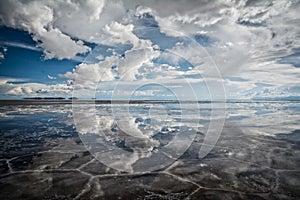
(244, 39)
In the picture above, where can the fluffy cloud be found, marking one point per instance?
(85, 74)
(134, 59)
(3, 51)
(141, 53)
(37, 18)
(88, 75)
(244, 39)
(51, 77)
(1, 56)
(13, 87)
(248, 39)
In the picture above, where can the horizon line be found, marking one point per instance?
(124, 101)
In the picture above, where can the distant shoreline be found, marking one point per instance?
(81, 101)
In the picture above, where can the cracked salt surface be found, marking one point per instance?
(43, 157)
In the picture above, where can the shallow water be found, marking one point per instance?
(150, 151)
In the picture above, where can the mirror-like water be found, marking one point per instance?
(152, 150)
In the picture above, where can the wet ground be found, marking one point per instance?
(150, 151)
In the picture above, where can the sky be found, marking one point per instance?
(184, 50)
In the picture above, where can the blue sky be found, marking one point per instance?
(125, 49)
(23, 60)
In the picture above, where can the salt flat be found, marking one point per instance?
(149, 151)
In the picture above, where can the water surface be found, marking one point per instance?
(150, 150)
